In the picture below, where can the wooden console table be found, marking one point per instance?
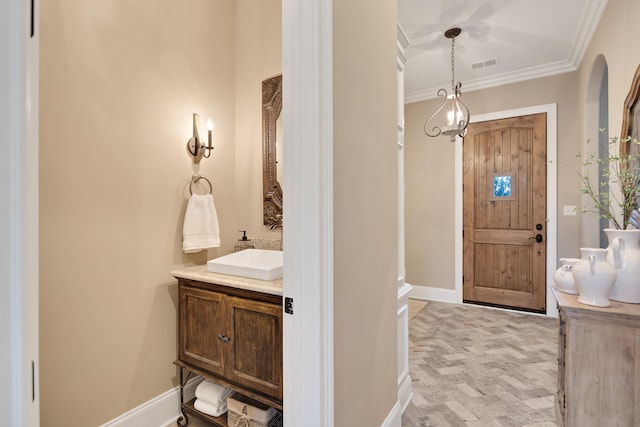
(598, 364)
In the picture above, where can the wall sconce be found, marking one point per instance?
(195, 147)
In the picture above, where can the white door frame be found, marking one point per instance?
(308, 211)
(552, 191)
(19, 396)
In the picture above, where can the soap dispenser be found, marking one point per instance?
(244, 243)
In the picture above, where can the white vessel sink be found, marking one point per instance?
(253, 263)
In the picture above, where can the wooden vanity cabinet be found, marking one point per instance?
(598, 364)
(232, 336)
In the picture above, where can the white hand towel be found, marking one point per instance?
(200, 230)
(214, 411)
(212, 393)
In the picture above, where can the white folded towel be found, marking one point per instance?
(212, 393)
(200, 230)
(214, 411)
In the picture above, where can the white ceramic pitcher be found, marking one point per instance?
(624, 255)
(594, 277)
(563, 276)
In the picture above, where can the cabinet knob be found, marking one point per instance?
(224, 338)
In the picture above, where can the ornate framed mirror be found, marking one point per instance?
(631, 125)
(631, 115)
(271, 139)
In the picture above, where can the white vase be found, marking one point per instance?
(563, 277)
(594, 277)
(624, 255)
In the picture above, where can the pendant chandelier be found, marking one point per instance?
(452, 118)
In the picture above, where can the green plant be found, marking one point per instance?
(621, 171)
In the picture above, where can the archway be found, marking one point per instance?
(596, 143)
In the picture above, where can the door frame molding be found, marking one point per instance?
(19, 215)
(552, 191)
(307, 108)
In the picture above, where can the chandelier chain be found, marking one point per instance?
(453, 42)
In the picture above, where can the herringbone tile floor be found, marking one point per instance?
(475, 366)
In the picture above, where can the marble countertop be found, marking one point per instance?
(201, 274)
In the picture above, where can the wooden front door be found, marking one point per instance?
(504, 198)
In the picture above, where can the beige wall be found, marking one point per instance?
(429, 162)
(119, 82)
(258, 57)
(365, 211)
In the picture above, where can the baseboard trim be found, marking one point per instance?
(434, 294)
(394, 419)
(405, 391)
(162, 410)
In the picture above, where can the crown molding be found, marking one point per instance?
(498, 80)
(586, 28)
(402, 37)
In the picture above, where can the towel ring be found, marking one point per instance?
(195, 179)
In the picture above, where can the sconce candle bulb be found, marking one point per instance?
(209, 132)
(195, 147)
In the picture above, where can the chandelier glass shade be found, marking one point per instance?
(452, 118)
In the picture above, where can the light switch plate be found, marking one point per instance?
(569, 210)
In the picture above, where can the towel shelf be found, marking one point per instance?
(188, 409)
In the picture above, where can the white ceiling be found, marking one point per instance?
(527, 38)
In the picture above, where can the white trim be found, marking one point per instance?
(404, 289)
(405, 392)
(162, 410)
(404, 42)
(308, 212)
(19, 217)
(394, 418)
(457, 218)
(435, 294)
(552, 192)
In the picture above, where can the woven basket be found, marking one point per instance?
(238, 420)
(243, 414)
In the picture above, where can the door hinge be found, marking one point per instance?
(33, 19)
(288, 305)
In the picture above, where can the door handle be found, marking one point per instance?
(537, 237)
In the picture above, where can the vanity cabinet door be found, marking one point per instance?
(202, 321)
(255, 358)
